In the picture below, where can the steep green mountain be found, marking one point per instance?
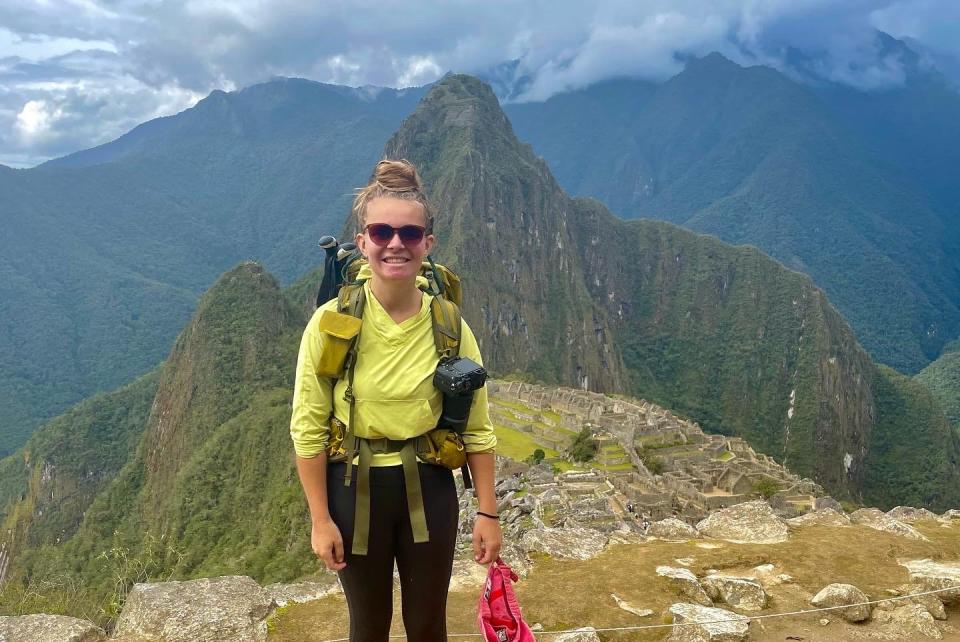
(207, 451)
(750, 156)
(556, 286)
(105, 252)
(942, 379)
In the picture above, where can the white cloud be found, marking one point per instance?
(107, 65)
(35, 119)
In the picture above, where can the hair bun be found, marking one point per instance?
(397, 175)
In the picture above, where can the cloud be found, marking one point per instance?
(76, 73)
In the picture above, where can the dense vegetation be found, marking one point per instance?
(942, 378)
(855, 189)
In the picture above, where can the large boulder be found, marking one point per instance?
(706, 624)
(951, 514)
(585, 634)
(219, 609)
(909, 514)
(821, 517)
(908, 622)
(742, 593)
(834, 595)
(672, 529)
(914, 594)
(301, 592)
(574, 543)
(685, 583)
(936, 576)
(747, 523)
(878, 520)
(49, 628)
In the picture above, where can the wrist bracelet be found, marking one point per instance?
(497, 517)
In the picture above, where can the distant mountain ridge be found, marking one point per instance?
(753, 157)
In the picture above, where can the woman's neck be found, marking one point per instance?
(400, 300)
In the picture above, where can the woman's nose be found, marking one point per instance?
(395, 242)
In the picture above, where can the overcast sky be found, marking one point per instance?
(78, 73)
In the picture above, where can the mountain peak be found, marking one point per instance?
(712, 62)
(226, 352)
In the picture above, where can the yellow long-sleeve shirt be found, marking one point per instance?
(393, 384)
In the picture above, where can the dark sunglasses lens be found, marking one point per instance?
(380, 233)
(410, 234)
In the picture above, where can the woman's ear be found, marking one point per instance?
(429, 240)
(362, 243)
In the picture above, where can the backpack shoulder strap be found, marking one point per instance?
(446, 327)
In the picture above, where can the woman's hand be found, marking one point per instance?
(327, 543)
(487, 539)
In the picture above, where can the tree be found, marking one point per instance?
(582, 448)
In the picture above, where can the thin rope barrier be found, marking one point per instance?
(749, 618)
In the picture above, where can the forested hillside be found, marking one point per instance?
(849, 187)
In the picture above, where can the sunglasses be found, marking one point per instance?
(381, 234)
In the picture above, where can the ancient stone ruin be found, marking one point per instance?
(650, 463)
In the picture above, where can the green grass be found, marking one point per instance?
(725, 456)
(518, 445)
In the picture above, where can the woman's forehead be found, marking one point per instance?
(385, 209)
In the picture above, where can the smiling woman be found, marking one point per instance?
(386, 402)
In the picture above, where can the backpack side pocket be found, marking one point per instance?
(339, 330)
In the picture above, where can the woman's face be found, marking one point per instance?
(395, 261)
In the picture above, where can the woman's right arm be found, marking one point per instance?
(325, 537)
(309, 429)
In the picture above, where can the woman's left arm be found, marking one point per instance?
(480, 442)
(487, 537)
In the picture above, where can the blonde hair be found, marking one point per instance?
(393, 179)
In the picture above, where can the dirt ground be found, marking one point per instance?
(563, 594)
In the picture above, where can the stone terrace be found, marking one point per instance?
(693, 472)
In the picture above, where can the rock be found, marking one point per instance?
(824, 621)
(749, 523)
(843, 595)
(822, 517)
(931, 603)
(220, 609)
(629, 608)
(510, 484)
(527, 504)
(585, 634)
(934, 576)
(302, 592)
(672, 529)
(706, 624)
(876, 519)
(685, 582)
(907, 621)
(909, 514)
(951, 514)
(739, 592)
(685, 561)
(576, 543)
(467, 575)
(49, 628)
(827, 502)
(504, 502)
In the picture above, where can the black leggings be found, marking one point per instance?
(424, 568)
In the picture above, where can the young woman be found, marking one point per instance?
(394, 398)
